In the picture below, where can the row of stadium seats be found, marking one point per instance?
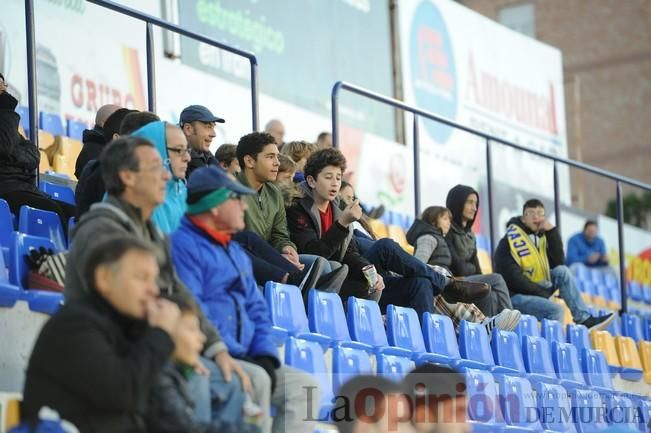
(511, 365)
(52, 124)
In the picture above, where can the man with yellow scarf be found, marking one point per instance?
(530, 257)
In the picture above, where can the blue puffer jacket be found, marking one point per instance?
(221, 280)
(168, 215)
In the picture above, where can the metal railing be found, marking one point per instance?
(417, 112)
(151, 75)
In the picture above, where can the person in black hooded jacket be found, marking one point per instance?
(463, 202)
(530, 256)
(19, 161)
(94, 139)
(96, 359)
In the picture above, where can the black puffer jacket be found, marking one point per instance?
(198, 159)
(461, 240)
(511, 271)
(94, 142)
(441, 256)
(19, 158)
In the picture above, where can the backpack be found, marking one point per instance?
(90, 188)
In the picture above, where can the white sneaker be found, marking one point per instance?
(506, 320)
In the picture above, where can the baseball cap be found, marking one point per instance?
(210, 186)
(198, 113)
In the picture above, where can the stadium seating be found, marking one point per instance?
(629, 359)
(578, 335)
(441, 340)
(393, 367)
(23, 112)
(474, 346)
(538, 360)
(398, 234)
(379, 229)
(635, 291)
(58, 192)
(75, 129)
(644, 413)
(348, 362)
(518, 403)
(42, 223)
(6, 223)
(44, 163)
(485, 414)
(632, 327)
(507, 351)
(308, 356)
(552, 330)
(528, 326)
(645, 358)
(287, 312)
(565, 359)
(595, 370)
(588, 411)
(603, 341)
(555, 408)
(38, 300)
(366, 326)
(51, 123)
(66, 156)
(9, 293)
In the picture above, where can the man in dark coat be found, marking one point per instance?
(96, 359)
(198, 124)
(94, 139)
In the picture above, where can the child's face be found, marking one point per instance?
(188, 340)
(285, 177)
(443, 223)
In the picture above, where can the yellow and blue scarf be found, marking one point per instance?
(532, 260)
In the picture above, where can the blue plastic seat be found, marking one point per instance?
(75, 129)
(635, 291)
(566, 362)
(393, 367)
(507, 351)
(579, 336)
(587, 408)
(23, 112)
(581, 271)
(485, 415)
(61, 193)
(348, 362)
(596, 275)
(518, 404)
(646, 294)
(632, 327)
(621, 411)
(42, 223)
(9, 293)
(366, 326)
(326, 316)
(528, 325)
(6, 223)
(308, 356)
(39, 300)
(644, 413)
(538, 360)
(441, 340)
(287, 312)
(552, 330)
(554, 408)
(474, 346)
(595, 370)
(51, 123)
(646, 323)
(615, 294)
(611, 281)
(614, 327)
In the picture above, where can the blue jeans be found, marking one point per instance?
(543, 308)
(214, 398)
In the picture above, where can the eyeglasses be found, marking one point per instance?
(232, 195)
(531, 213)
(179, 152)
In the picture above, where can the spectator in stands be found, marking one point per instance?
(90, 187)
(173, 149)
(463, 202)
(324, 140)
(170, 402)
(530, 257)
(258, 156)
(95, 360)
(135, 179)
(94, 139)
(438, 394)
(136, 120)
(277, 130)
(362, 230)
(587, 247)
(373, 404)
(19, 161)
(298, 151)
(286, 169)
(220, 277)
(226, 155)
(319, 226)
(198, 124)
(427, 236)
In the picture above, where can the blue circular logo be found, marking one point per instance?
(433, 70)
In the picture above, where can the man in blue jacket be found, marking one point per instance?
(587, 247)
(219, 274)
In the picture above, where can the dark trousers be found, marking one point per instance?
(268, 264)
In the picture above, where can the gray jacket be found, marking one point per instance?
(113, 216)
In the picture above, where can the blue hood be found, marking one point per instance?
(168, 215)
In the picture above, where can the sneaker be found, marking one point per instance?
(332, 281)
(307, 278)
(506, 320)
(598, 322)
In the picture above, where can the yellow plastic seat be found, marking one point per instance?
(44, 163)
(12, 414)
(398, 234)
(69, 149)
(65, 166)
(613, 305)
(603, 341)
(629, 358)
(586, 298)
(46, 142)
(379, 229)
(567, 314)
(645, 358)
(599, 301)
